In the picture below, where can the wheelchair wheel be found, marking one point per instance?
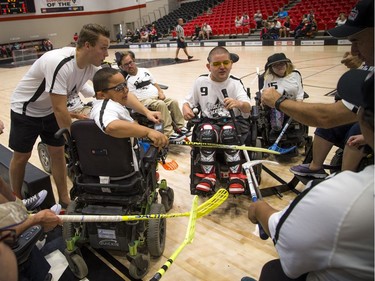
(167, 198)
(156, 232)
(79, 267)
(139, 266)
(44, 157)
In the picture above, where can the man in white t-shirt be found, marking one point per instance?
(327, 232)
(39, 103)
(143, 85)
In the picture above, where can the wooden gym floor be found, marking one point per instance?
(225, 245)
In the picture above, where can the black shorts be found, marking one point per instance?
(339, 135)
(24, 130)
(181, 44)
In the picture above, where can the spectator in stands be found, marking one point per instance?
(137, 35)
(258, 18)
(282, 14)
(16, 46)
(311, 15)
(181, 44)
(237, 22)
(245, 20)
(313, 30)
(3, 51)
(128, 36)
(265, 29)
(206, 31)
(285, 28)
(197, 33)
(153, 34)
(144, 34)
(209, 11)
(75, 37)
(303, 28)
(47, 46)
(341, 19)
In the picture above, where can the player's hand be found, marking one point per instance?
(187, 112)
(269, 97)
(158, 139)
(356, 141)
(351, 61)
(161, 95)
(230, 103)
(47, 219)
(154, 116)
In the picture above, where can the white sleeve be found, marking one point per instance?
(350, 106)
(190, 98)
(87, 91)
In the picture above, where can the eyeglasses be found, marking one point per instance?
(117, 88)
(127, 64)
(9, 236)
(219, 63)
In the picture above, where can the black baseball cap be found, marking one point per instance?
(361, 17)
(357, 87)
(275, 58)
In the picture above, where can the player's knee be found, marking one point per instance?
(208, 133)
(228, 134)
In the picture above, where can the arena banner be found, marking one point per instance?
(58, 6)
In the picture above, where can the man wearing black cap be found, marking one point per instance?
(359, 29)
(327, 232)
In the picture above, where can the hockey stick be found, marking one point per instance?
(190, 233)
(248, 168)
(275, 146)
(207, 207)
(224, 146)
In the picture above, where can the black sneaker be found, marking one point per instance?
(177, 59)
(34, 201)
(190, 57)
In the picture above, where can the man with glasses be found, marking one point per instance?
(143, 85)
(110, 113)
(207, 94)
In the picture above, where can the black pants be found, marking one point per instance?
(272, 271)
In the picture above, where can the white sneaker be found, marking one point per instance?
(185, 131)
(34, 201)
(176, 137)
(56, 208)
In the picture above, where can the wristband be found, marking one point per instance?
(279, 101)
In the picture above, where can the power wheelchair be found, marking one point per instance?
(296, 134)
(113, 176)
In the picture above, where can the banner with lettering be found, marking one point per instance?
(58, 6)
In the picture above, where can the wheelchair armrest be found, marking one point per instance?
(26, 241)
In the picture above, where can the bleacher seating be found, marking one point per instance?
(223, 13)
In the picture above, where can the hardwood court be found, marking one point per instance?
(225, 245)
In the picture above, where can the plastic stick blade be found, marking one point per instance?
(211, 204)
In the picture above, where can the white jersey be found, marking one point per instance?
(141, 84)
(112, 111)
(328, 230)
(54, 72)
(291, 85)
(208, 95)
